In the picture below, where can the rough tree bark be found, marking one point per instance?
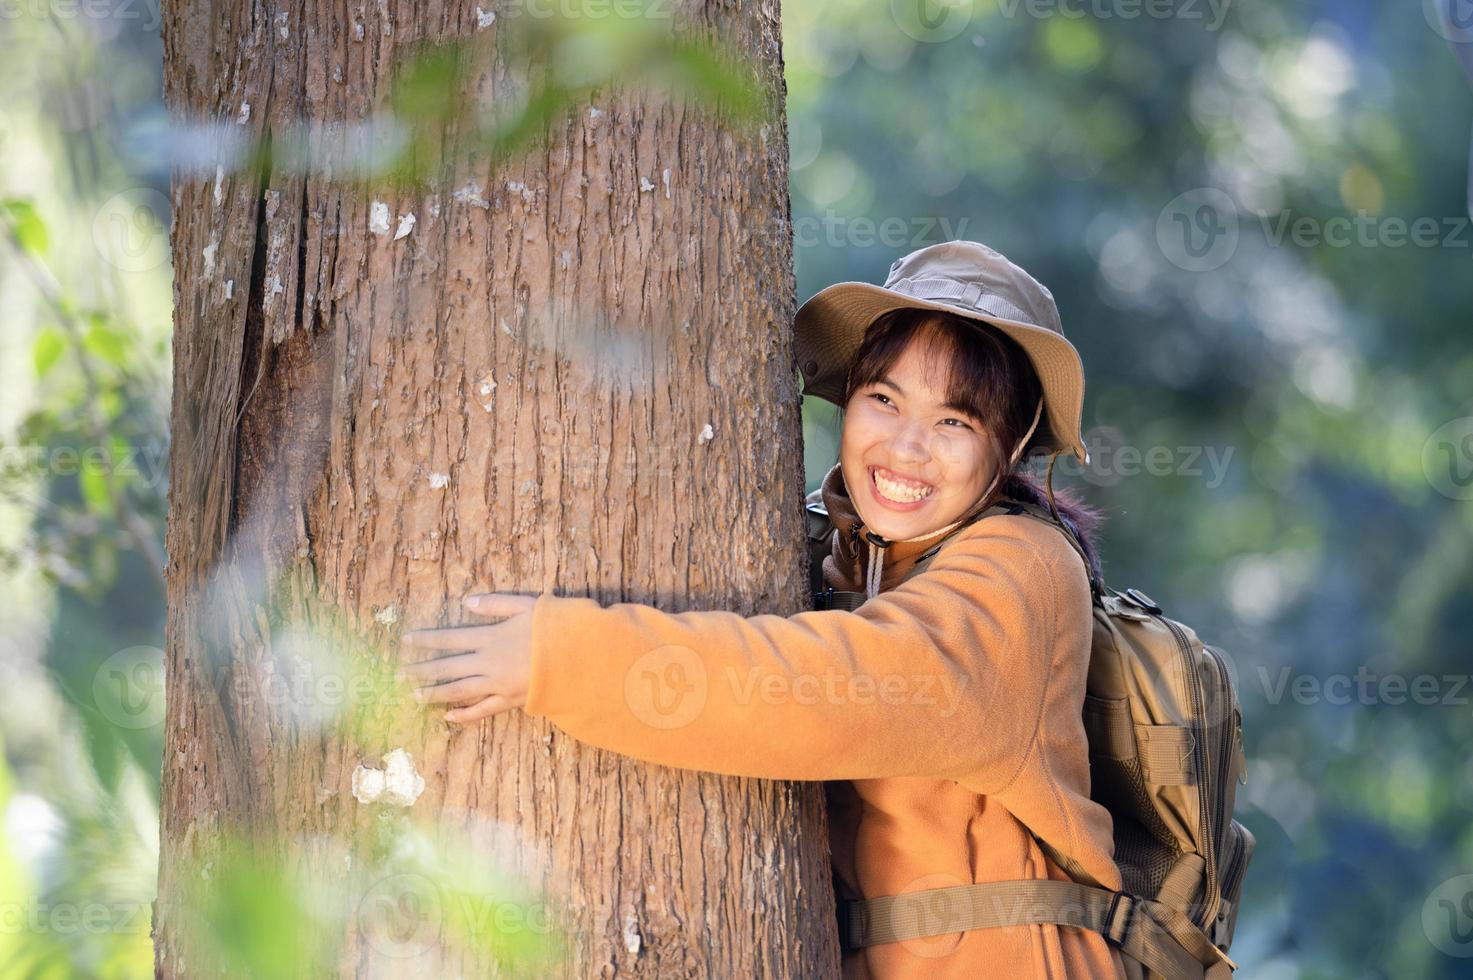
(516, 395)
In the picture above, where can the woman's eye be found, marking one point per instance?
(884, 399)
(958, 422)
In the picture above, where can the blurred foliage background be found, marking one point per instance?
(1254, 218)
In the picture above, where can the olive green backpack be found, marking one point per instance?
(1166, 756)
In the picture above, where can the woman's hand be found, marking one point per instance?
(491, 668)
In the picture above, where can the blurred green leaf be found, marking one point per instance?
(106, 342)
(103, 567)
(93, 483)
(46, 350)
(30, 230)
(101, 738)
(111, 403)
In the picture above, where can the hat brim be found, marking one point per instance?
(830, 326)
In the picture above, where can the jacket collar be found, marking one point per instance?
(851, 543)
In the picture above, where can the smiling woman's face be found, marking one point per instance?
(912, 464)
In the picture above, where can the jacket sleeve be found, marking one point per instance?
(943, 676)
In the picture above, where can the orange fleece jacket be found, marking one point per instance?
(945, 713)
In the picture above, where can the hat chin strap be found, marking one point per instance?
(877, 550)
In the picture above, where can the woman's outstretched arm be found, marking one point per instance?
(944, 676)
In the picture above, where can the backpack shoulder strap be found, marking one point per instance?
(1041, 513)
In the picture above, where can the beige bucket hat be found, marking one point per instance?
(972, 281)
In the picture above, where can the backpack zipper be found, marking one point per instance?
(1229, 727)
(1211, 896)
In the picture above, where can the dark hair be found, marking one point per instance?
(989, 373)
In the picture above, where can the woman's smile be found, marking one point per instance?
(898, 492)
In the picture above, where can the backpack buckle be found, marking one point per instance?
(1139, 598)
(1127, 917)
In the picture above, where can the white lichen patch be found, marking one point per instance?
(517, 187)
(594, 112)
(378, 218)
(484, 18)
(219, 182)
(632, 939)
(707, 434)
(368, 784)
(471, 194)
(402, 784)
(387, 616)
(646, 185)
(229, 288)
(439, 481)
(244, 116)
(209, 256)
(406, 225)
(665, 179)
(396, 784)
(486, 391)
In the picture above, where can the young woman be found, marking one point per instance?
(945, 711)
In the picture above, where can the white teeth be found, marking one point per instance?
(901, 493)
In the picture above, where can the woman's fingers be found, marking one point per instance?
(499, 604)
(495, 704)
(443, 668)
(482, 659)
(450, 638)
(463, 689)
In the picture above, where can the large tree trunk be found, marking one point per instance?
(558, 379)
